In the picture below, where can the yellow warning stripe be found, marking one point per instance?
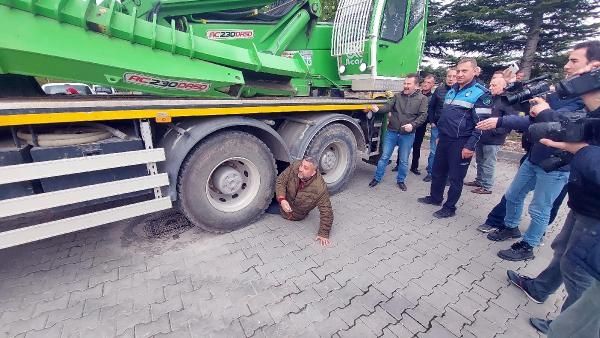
(162, 114)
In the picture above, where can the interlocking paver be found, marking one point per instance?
(71, 312)
(53, 331)
(161, 325)
(393, 270)
(377, 320)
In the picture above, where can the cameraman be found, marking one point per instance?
(576, 259)
(581, 55)
(546, 186)
(582, 234)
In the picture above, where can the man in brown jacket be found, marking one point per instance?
(299, 189)
(406, 111)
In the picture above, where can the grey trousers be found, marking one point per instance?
(580, 320)
(485, 157)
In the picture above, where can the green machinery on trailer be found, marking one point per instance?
(214, 49)
(266, 78)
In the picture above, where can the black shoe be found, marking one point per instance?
(519, 251)
(520, 281)
(402, 186)
(395, 169)
(542, 325)
(444, 213)
(373, 183)
(415, 171)
(428, 200)
(448, 183)
(502, 234)
(427, 178)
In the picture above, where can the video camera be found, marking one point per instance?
(519, 92)
(574, 127)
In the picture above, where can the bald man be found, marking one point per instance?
(491, 141)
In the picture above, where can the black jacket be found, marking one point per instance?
(500, 108)
(584, 182)
(584, 199)
(538, 152)
(436, 103)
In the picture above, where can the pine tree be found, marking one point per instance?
(534, 31)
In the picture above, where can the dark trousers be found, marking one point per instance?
(562, 269)
(416, 148)
(496, 216)
(448, 164)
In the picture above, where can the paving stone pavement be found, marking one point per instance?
(393, 270)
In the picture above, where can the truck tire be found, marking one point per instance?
(226, 182)
(334, 148)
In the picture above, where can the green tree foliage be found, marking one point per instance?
(536, 32)
(329, 7)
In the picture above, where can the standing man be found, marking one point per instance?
(491, 141)
(299, 189)
(406, 111)
(434, 112)
(426, 89)
(458, 136)
(582, 55)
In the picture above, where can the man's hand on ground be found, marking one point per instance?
(566, 146)
(466, 153)
(538, 105)
(407, 127)
(487, 124)
(324, 241)
(285, 205)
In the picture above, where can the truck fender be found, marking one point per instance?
(299, 131)
(185, 135)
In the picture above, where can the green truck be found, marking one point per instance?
(232, 92)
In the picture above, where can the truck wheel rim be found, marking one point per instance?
(333, 162)
(233, 184)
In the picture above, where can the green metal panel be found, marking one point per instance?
(100, 59)
(85, 15)
(399, 58)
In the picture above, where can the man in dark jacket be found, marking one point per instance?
(406, 111)
(426, 89)
(458, 136)
(299, 189)
(491, 141)
(434, 111)
(547, 187)
(577, 246)
(582, 318)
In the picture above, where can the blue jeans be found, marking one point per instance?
(582, 319)
(432, 147)
(545, 186)
(404, 143)
(496, 216)
(485, 156)
(562, 268)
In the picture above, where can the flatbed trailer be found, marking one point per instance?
(214, 160)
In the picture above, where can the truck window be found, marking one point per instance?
(392, 24)
(417, 12)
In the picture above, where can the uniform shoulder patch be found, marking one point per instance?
(487, 100)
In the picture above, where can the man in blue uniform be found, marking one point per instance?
(465, 104)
